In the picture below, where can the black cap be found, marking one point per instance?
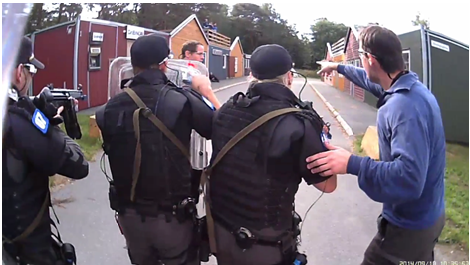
(269, 61)
(26, 56)
(148, 50)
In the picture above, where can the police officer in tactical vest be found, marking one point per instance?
(146, 132)
(34, 148)
(260, 141)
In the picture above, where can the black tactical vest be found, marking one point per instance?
(242, 192)
(165, 173)
(23, 192)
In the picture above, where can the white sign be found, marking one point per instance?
(217, 52)
(97, 36)
(440, 46)
(132, 33)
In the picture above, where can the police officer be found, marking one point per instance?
(33, 149)
(252, 187)
(148, 155)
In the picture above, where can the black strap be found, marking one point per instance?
(259, 239)
(231, 143)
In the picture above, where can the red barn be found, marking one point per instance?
(80, 52)
(351, 49)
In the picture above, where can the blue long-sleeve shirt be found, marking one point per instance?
(409, 178)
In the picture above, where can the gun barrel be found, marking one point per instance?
(66, 93)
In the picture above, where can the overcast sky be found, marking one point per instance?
(450, 18)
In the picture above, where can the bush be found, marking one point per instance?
(309, 73)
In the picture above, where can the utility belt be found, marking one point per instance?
(182, 210)
(287, 241)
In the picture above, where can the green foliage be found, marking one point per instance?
(420, 21)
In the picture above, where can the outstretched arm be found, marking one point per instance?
(359, 77)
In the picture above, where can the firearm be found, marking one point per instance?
(66, 98)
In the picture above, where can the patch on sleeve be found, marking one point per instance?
(40, 121)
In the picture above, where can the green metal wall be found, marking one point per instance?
(449, 83)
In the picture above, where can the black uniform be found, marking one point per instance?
(32, 151)
(156, 228)
(29, 158)
(253, 186)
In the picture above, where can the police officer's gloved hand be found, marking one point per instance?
(48, 109)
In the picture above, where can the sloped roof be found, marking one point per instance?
(237, 39)
(185, 23)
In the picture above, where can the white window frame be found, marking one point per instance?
(408, 67)
(205, 58)
(225, 62)
(236, 64)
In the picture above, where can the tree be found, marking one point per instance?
(324, 31)
(420, 21)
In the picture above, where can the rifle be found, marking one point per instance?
(66, 98)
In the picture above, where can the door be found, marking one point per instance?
(231, 67)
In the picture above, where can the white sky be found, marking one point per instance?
(450, 18)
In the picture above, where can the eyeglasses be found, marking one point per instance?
(31, 68)
(365, 54)
(170, 56)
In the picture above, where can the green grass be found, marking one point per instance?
(357, 149)
(456, 194)
(309, 73)
(456, 229)
(90, 146)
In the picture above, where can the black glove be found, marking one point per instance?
(48, 109)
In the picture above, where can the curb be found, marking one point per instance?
(337, 116)
(229, 86)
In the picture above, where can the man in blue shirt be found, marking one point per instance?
(409, 179)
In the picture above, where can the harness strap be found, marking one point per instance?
(159, 124)
(229, 145)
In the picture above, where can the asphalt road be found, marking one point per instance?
(336, 231)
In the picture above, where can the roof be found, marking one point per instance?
(237, 39)
(355, 29)
(185, 23)
(448, 39)
(100, 22)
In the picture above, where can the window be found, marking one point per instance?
(406, 58)
(236, 64)
(224, 61)
(204, 60)
(357, 63)
(247, 63)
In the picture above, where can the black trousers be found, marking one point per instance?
(392, 244)
(153, 240)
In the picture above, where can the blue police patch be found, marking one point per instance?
(40, 121)
(208, 103)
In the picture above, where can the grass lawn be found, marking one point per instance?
(456, 194)
(309, 73)
(90, 146)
